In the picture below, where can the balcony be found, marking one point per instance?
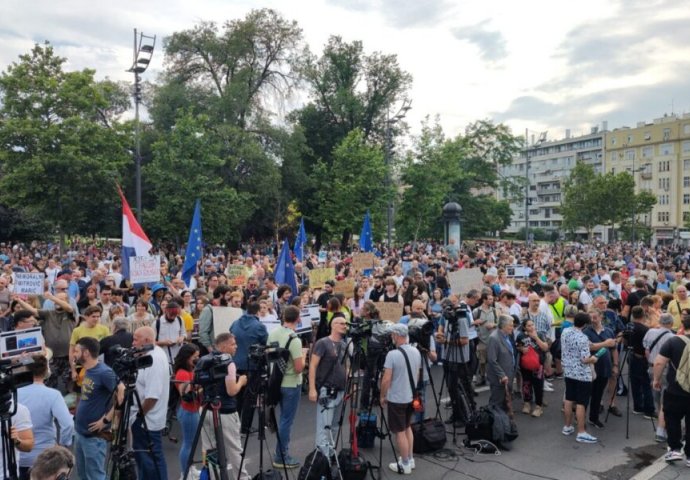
(646, 175)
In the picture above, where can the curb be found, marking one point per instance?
(652, 470)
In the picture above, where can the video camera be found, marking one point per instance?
(211, 369)
(420, 334)
(9, 383)
(454, 313)
(362, 329)
(262, 355)
(129, 360)
(627, 332)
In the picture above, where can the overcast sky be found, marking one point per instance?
(537, 64)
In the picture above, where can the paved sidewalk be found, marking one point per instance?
(660, 470)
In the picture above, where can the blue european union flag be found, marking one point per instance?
(365, 244)
(194, 251)
(285, 269)
(300, 241)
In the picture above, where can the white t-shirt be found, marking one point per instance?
(21, 421)
(154, 382)
(170, 331)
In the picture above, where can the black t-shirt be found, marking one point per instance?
(122, 338)
(673, 350)
(331, 370)
(639, 330)
(375, 295)
(635, 297)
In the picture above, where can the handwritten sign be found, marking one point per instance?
(363, 261)
(319, 276)
(237, 275)
(145, 269)
(391, 311)
(224, 317)
(28, 283)
(346, 287)
(465, 279)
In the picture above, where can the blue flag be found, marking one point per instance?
(285, 269)
(194, 252)
(300, 241)
(365, 236)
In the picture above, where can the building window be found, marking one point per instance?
(667, 133)
(664, 183)
(613, 140)
(686, 129)
(686, 164)
(686, 199)
(647, 136)
(647, 152)
(686, 182)
(686, 146)
(662, 216)
(665, 166)
(666, 149)
(686, 216)
(630, 154)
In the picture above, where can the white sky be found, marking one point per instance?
(537, 64)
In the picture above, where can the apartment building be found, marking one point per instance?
(545, 165)
(658, 156)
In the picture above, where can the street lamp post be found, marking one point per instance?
(143, 51)
(387, 151)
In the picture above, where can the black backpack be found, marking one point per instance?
(316, 466)
(275, 377)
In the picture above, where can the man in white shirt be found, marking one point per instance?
(153, 387)
(170, 331)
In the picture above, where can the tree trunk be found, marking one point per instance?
(345, 240)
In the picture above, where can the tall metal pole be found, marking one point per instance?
(632, 226)
(526, 186)
(389, 209)
(137, 139)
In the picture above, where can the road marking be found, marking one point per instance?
(651, 470)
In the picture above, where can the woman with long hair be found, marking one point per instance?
(188, 411)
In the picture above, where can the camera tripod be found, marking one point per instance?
(382, 431)
(624, 360)
(456, 376)
(261, 407)
(212, 404)
(122, 464)
(9, 466)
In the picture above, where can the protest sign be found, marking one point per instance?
(363, 261)
(319, 276)
(311, 311)
(237, 275)
(465, 279)
(224, 317)
(322, 256)
(391, 311)
(145, 269)
(29, 283)
(516, 271)
(346, 287)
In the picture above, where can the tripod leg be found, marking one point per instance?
(157, 458)
(195, 442)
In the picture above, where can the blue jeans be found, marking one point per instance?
(288, 411)
(188, 423)
(327, 421)
(641, 386)
(146, 468)
(90, 457)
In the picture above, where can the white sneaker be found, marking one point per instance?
(548, 388)
(568, 430)
(397, 467)
(411, 462)
(548, 384)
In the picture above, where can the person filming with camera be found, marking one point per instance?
(225, 343)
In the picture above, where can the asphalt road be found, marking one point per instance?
(540, 452)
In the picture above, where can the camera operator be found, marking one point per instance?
(421, 336)
(327, 380)
(54, 463)
(453, 332)
(94, 411)
(376, 347)
(396, 391)
(291, 386)
(153, 387)
(640, 383)
(229, 418)
(248, 330)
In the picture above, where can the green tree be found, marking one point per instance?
(187, 165)
(356, 184)
(581, 206)
(61, 149)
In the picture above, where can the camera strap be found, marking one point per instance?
(409, 372)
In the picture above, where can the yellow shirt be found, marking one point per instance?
(188, 321)
(98, 332)
(675, 311)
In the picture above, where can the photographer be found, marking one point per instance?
(153, 387)
(229, 418)
(453, 332)
(248, 330)
(376, 347)
(291, 386)
(54, 463)
(396, 391)
(94, 413)
(327, 380)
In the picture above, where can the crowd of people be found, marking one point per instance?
(574, 313)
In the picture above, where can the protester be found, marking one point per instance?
(188, 411)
